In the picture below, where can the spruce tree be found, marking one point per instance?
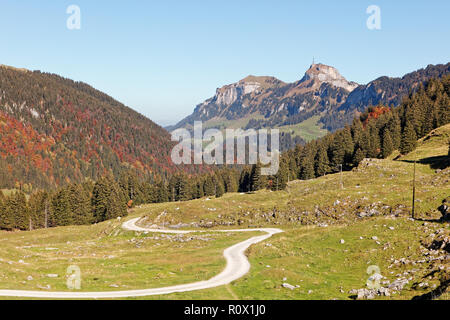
(2, 211)
(388, 145)
(80, 202)
(280, 179)
(374, 140)
(337, 151)
(183, 188)
(395, 129)
(7, 214)
(61, 210)
(209, 186)
(409, 138)
(321, 161)
(358, 156)
(219, 190)
(307, 163)
(244, 180)
(39, 206)
(255, 178)
(162, 195)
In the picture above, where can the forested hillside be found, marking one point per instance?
(54, 131)
(384, 90)
(377, 133)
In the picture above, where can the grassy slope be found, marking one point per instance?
(314, 259)
(385, 181)
(308, 130)
(108, 256)
(308, 256)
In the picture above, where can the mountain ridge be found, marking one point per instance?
(268, 96)
(55, 131)
(322, 92)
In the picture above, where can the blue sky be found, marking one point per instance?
(162, 58)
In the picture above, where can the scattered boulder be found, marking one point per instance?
(288, 286)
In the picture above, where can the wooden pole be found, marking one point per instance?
(414, 191)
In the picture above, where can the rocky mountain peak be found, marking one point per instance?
(228, 94)
(321, 73)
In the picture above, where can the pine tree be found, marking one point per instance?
(2, 208)
(358, 156)
(280, 179)
(357, 131)
(337, 151)
(171, 188)
(244, 180)
(230, 181)
(108, 201)
(6, 214)
(306, 162)
(39, 206)
(219, 190)
(183, 188)
(255, 178)
(395, 129)
(409, 139)
(80, 203)
(162, 195)
(61, 210)
(388, 145)
(209, 187)
(199, 192)
(374, 140)
(321, 161)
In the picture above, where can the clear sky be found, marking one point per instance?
(162, 58)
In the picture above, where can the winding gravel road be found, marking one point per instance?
(237, 266)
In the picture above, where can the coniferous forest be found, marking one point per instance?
(106, 194)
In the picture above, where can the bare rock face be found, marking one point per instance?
(272, 100)
(321, 73)
(229, 94)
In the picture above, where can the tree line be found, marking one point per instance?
(75, 204)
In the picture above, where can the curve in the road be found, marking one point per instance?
(237, 266)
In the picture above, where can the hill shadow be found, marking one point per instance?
(436, 293)
(431, 220)
(436, 162)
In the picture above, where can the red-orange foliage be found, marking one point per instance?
(375, 113)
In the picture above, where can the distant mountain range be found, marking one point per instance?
(322, 95)
(55, 131)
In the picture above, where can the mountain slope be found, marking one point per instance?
(267, 101)
(258, 102)
(54, 131)
(384, 90)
